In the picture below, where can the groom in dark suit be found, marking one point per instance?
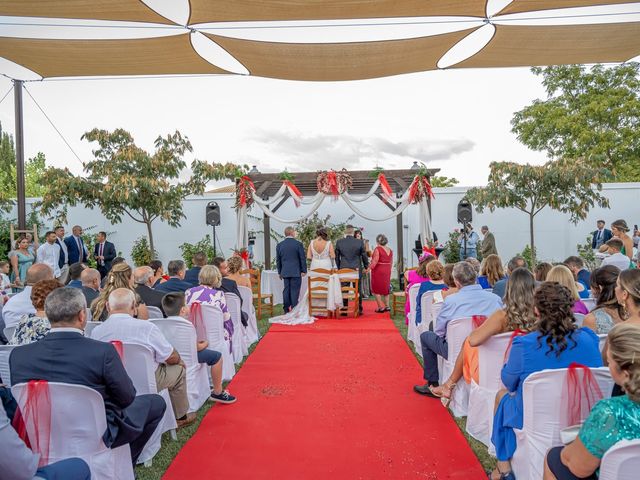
(104, 252)
(292, 266)
(351, 253)
(600, 236)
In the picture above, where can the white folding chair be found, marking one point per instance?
(78, 422)
(578, 319)
(238, 343)
(541, 423)
(8, 332)
(140, 366)
(482, 395)
(154, 312)
(88, 328)
(602, 339)
(251, 331)
(182, 336)
(457, 331)
(5, 372)
(412, 335)
(216, 335)
(621, 462)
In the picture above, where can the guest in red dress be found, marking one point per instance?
(381, 262)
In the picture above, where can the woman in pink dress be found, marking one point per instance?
(414, 277)
(381, 262)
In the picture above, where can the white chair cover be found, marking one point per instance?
(78, 421)
(590, 303)
(154, 312)
(412, 328)
(8, 332)
(621, 462)
(88, 328)
(602, 339)
(5, 372)
(579, 319)
(140, 366)
(542, 400)
(182, 336)
(251, 331)
(429, 312)
(214, 324)
(457, 331)
(238, 342)
(482, 395)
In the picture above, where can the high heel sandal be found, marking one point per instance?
(444, 392)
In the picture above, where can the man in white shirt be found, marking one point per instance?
(615, 257)
(170, 371)
(49, 253)
(20, 304)
(64, 255)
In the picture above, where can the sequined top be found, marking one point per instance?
(604, 321)
(30, 329)
(611, 420)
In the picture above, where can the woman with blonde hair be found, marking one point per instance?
(234, 267)
(491, 271)
(120, 276)
(562, 275)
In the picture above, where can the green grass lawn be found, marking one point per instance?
(170, 448)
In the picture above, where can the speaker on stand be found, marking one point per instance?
(465, 216)
(212, 218)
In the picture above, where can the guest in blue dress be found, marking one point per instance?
(556, 343)
(435, 272)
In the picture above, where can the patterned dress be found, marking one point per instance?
(30, 329)
(211, 296)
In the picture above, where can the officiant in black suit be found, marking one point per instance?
(104, 252)
(351, 253)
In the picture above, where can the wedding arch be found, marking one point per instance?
(396, 189)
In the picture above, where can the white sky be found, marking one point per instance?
(456, 120)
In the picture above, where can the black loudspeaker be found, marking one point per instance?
(465, 212)
(213, 214)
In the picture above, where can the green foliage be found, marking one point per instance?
(190, 249)
(586, 254)
(141, 253)
(452, 247)
(568, 186)
(307, 228)
(286, 175)
(529, 256)
(443, 182)
(126, 180)
(590, 113)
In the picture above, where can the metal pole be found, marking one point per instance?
(20, 189)
(215, 253)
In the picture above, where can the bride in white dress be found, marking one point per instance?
(322, 256)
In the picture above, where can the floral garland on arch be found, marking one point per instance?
(420, 189)
(334, 183)
(244, 192)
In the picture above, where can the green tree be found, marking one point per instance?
(439, 181)
(125, 180)
(590, 113)
(567, 186)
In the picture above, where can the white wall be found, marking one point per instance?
(556, 236)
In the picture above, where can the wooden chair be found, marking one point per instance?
(351, 292)
(318, 290)
(261, 300)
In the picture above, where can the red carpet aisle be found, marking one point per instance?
(328, 400)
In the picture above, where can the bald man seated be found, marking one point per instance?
(20, 304)
(90, 278)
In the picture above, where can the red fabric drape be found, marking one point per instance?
(117, 344)
(583, 392)
(36, 416)
(332, 180)
(517, 332)
(478, 320)
(296, 193)
(195, 317)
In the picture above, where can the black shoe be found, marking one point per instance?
(224, 397)
(424, 389)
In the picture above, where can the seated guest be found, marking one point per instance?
(491, 271)
(556, 343)
(18, 462)
(143, 279)
(114, 262)
(120, 276)
(191, 276)
(20, 304)
(500, 286)
(611, 420)
(175, 306)
(228, 285)
(581, 274)
(90, 279)
(608, 312)
(562, 275)
(469, 301)
(615, 257)
(75, 272)
(541, 271)
(235, 265)
(34, 326)
(517, 314)
(475, 263)
(447, 278)
(413, 277)
(177, 270)
(66, 355)
(209, 291)
(158, 273)
(170, 372)
(435, 272)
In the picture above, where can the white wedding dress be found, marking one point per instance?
(300, 314)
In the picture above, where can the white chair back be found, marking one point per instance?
(602, 339)
(239, 346)
(216, 335)
(182, 336)
(251, 331)
(590, 303)
(154, 312)
(88, 328)
(8, 332)
(491, 359)
(622, 461)
(578, 318)
(413, 335)
(5, 372)
(78, 422)
(457, 332)
(542, 415)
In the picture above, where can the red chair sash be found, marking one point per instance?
(583, 392)
(117, 344)
(36, 414)
(195, 317)
(516, 333)
(478, 320)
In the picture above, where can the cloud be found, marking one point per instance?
(314, 152)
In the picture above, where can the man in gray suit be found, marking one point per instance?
(350, 253)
